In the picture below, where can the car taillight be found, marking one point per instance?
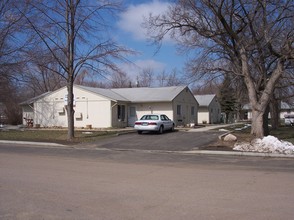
(152, 123)
(138, 123)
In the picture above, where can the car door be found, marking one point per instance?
(166, 122)
(170, 122)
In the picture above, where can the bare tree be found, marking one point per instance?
(40, 70)
(284, 92)
(211, 87)
(169, 79)
(120, 80)
(11, 64)
(75, 33)
(87, 78)
(8, 42)
(255, 37)
(145, 78)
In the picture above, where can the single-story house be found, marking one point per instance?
(209, 110)
(103, 108)
(285, 109)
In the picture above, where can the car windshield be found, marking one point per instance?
(149, 117)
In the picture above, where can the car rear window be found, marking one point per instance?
(149, 117)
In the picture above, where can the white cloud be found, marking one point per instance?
(133, 70)
(131, 20)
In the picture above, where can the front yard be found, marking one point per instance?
(284, 133)
(85, 136)
(55, 136)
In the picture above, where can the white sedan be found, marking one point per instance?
(154, 122)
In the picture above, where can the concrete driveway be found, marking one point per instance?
(168, 141)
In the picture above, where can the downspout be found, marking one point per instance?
(53, 110)
(87, 109)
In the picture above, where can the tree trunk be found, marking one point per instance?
(70, 21)
(70, 112)
(227, 117)
(265, 122)
(257, 124)
(274, 109)
(259, 103)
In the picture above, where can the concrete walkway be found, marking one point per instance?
(212, 127)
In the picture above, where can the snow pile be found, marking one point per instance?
(268, 144)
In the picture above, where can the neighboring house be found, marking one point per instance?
(285, 109)
(28, 109)
(103, 108)
(209, 109)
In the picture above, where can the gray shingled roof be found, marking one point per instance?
(108, 93)
(284, 106)
(34, 99)
(142, 94)
(204, 100)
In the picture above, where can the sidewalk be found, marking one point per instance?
(41, 144)
(212, 127)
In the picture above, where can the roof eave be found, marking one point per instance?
(148, 101)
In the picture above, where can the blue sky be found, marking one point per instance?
(131, 34)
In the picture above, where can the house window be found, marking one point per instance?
(179, 110)
(121, 111)
(192, 110)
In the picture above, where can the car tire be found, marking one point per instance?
(160, 131)
(172, 128)
(139, 132)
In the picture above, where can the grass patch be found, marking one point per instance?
(55, 136)
(285, 133)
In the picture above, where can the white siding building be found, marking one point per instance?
(285, 109)
(103, 108)
(209, 109)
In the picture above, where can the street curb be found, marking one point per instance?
(33, 143)
(238, 153)
(207, 152)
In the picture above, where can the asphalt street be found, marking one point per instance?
(168, 141)
(40, 182)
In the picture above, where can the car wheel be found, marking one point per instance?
(139, 132)
(172, 128)
(160, 131)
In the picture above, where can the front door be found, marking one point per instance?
(132, 116)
